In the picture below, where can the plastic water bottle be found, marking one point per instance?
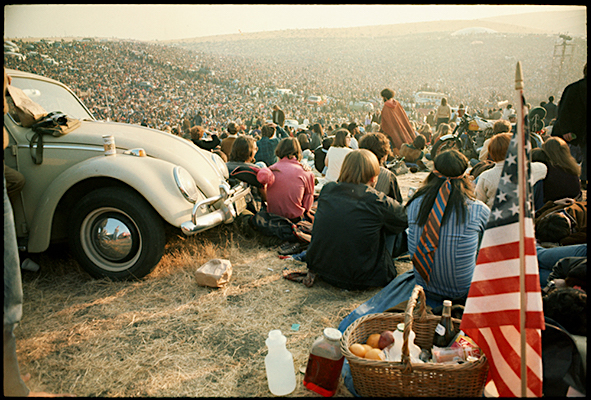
(279, 365)
(413, 350)
(396, 352)
(325, 363)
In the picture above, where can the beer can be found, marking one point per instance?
(109, 145)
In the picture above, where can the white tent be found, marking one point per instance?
(473, 30)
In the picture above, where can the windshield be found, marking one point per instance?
(52, 97)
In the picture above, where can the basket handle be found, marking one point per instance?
(417, 293)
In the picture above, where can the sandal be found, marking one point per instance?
(307, 278)
(289, 248)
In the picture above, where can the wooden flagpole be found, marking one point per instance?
(521, 175)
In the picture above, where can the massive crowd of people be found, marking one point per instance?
(189, 92)
(161, 85)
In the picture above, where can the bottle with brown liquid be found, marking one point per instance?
(445, 331)
(323, 371)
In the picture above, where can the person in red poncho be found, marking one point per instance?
(395, 123)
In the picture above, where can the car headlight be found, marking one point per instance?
(186, 184)
(217, 160)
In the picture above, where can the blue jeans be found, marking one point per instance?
(548, 257)
(13, 304)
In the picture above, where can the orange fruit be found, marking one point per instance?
(375, 354)
(373, 340)
(358, 349)
(367, 347)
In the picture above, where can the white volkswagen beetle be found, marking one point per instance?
(112, 210)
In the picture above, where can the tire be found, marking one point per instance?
(130, 242)
(447, 144)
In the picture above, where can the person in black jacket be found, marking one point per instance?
(351, 227)
(571, 121)
(197, 138)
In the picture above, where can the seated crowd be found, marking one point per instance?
(358, 218)
(351, 232)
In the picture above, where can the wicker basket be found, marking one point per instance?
(373, 378)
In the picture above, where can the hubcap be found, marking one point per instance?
(111, 239)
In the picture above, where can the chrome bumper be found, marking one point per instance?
(233, 203)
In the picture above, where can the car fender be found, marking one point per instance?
(151, 177)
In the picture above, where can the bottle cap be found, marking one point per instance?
(332, 334)
(275, 337)
(447, 303)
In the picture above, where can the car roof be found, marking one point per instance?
(22, 74)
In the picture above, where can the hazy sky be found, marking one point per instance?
(165, 22)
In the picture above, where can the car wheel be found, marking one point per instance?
(115, 233)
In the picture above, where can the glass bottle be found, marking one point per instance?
(445, 330)
(279, 365)
(325, 363)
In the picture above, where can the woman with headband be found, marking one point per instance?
(446, 223)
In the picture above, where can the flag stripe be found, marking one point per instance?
(506, 251)
(506, 301)
(506, 234)
(493, 287)
(501, 344)
(498, 318)
(505, 269)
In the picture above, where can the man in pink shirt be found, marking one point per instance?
(290, 188)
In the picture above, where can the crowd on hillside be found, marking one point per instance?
(160, 86)
(352, 231)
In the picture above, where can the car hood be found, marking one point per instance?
(157, 144)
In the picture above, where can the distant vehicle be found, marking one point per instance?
(429, 97)
(10, 47)
(50, 61)
(317, 100)
(15, 55)
(361, 105)
(293, 123)
(146, 85)
(282, 92)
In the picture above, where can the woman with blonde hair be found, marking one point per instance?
(443, 114)
(442, 130)
(562, 179)
(351, 227)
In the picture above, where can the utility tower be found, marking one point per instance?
(563, 52)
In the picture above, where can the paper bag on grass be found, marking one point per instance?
(214, 273)
(26, 109)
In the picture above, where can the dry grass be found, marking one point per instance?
(165, 336)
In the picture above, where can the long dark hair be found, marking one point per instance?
(452, 164)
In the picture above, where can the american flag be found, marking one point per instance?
(493, 308)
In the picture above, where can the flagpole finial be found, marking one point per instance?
(518, 77)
